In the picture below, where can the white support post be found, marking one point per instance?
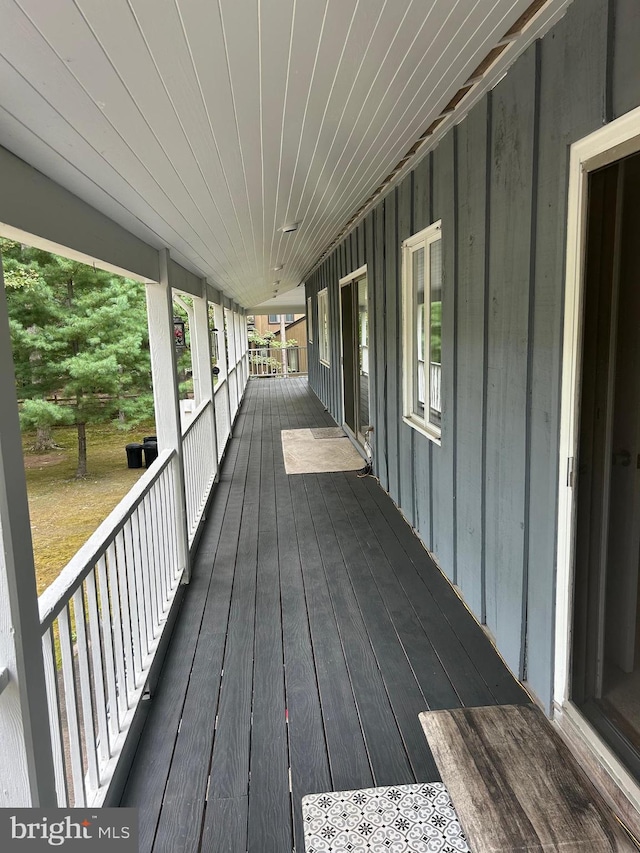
(26, 763)
(166, 394)
(222, 352)
(283, 341)
(201, 359)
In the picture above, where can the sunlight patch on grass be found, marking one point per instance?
(65, 511)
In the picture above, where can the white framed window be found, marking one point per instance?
(422, 327)
(323, 327)
(309, 321)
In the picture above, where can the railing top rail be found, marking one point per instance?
(219, 384)
(195, 416)
(55, 596)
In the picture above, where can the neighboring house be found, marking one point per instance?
(271, 323)
(296, 330)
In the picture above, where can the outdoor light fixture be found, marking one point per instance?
(289, 227)
(179, 337)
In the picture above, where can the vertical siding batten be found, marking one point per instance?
(471, 166)
(380, 351)
(625, 62)
(522, 668)
(392, 367)
(442, 456)
(509, 247)
(422, 209)
(405, 432)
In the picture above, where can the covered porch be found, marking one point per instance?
(314, 630)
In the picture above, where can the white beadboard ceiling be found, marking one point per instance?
(206, 125)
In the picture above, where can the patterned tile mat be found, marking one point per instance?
(400, 819)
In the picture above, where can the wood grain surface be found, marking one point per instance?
(515, 785)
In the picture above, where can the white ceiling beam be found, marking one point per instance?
(37, 211)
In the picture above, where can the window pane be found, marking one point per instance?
(435, 331)
(418, 331)
(274, 318)
(288, 318)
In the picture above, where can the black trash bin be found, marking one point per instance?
(149, 438)
(134, 455)
(150, 452)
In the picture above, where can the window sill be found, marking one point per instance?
(432, 433)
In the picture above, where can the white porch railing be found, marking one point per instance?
(199, 464)
(101, 621)
(232, 382)
(222, 416)
(275, 361)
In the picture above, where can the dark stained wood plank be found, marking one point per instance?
(428, 669)
(472, 179)
(225, 826)
(576, 55)
(230, 761)
(515, 785)
(348, 759)
(388, 758)
(512, 139)
(462, 673)
(405, 696)
(476, 671)
(269, 800)
(307, 745)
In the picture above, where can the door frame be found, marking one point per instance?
(348, 279)
(612, 142)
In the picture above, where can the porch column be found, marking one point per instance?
(26, 767)
(166, 394)
(245, 346)
(218, 311)
(201, 359)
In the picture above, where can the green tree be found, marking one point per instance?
(80, 342)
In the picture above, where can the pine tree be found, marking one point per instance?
(79, 336)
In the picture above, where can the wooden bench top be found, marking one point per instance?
(515, 785)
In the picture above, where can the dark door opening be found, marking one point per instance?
(355, 356)
(605, 663)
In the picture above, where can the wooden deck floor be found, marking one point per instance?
(314, 631)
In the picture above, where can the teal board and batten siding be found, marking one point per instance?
(485, 502)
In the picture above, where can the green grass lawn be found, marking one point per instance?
(65, 511)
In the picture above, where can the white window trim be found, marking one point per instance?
(612, 142)
(359, 273)
(323, 305)
(309, 320)
(425, 238)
